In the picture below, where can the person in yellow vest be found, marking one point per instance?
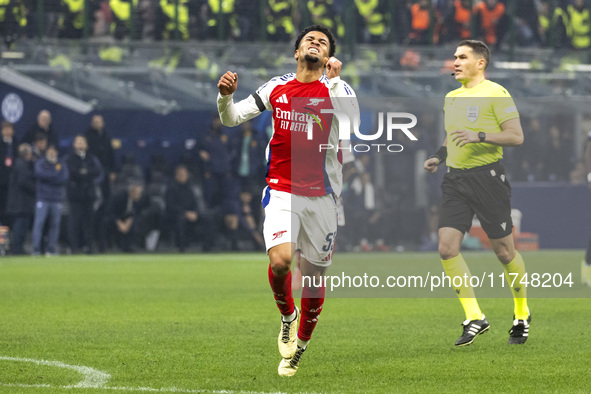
(13, 20)
(372, 21)
(324, 13)
(123, 11)
(282, 18)
(480, 119)
(71, 22)
(580, 25)
(211, 15)
(166, 20)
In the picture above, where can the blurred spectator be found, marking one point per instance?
(86, 175)
(282, 19)
(130, 218)
(130, 171)
(365, 216)
(250, 227)
(530, 167)
(39, 146)
(21, 197)
(580, 24)
(167, 18)
(527, 23)
(561, 28)
(99, 144)
(71, 21)
(324, 12)
(248, 14)
(13, 20)
(158, 169)
(490, 21)
(7, 154)
(248, 159)
(423, 24)
(125, 15)
(372, 21)
(423, 21)
(183, 213)
(557, 157)
(215, 154)
(43, 126)
(50, 18)
(457, 21)
(102, 19)
(219, 185)
(544, 22)
(210, 19)
(401, 19)
(51, 177)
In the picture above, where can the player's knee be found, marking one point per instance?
(447, 251)
(279, 265)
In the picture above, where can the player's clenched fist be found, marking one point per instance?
(431, 165)
(228, 83)
(333, 67)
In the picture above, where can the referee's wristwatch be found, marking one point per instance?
(482, 136)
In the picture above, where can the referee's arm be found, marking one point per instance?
(511, 135)
(433, 162)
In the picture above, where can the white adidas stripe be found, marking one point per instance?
(282, 99)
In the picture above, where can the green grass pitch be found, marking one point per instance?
(208, 323)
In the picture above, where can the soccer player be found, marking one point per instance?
(303, 180)
(480, 119)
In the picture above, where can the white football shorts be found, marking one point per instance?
(309, 222)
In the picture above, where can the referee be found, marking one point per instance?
(480, 119)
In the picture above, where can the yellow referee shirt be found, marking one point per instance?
(482, 108)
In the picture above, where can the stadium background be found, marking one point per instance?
(207, 322)
(153, 75)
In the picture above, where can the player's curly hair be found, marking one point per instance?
(323, 30)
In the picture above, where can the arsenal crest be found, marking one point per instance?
(472, 113)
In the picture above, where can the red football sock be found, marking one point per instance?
(312, 301)
(281, 287)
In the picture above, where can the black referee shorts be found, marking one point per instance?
(483, 191)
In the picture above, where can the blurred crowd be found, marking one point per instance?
(208, 200)
(559, 23)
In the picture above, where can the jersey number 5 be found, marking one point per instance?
(329, 245)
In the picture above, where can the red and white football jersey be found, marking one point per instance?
(295, 163)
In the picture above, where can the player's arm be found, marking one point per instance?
(432, 163)
(232, 114)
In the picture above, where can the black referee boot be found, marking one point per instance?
(472, 328)
(519, 332)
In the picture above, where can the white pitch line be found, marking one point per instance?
(92, 377)
(141, 389)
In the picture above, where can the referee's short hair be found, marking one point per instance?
(479, 48)
(324, 30)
